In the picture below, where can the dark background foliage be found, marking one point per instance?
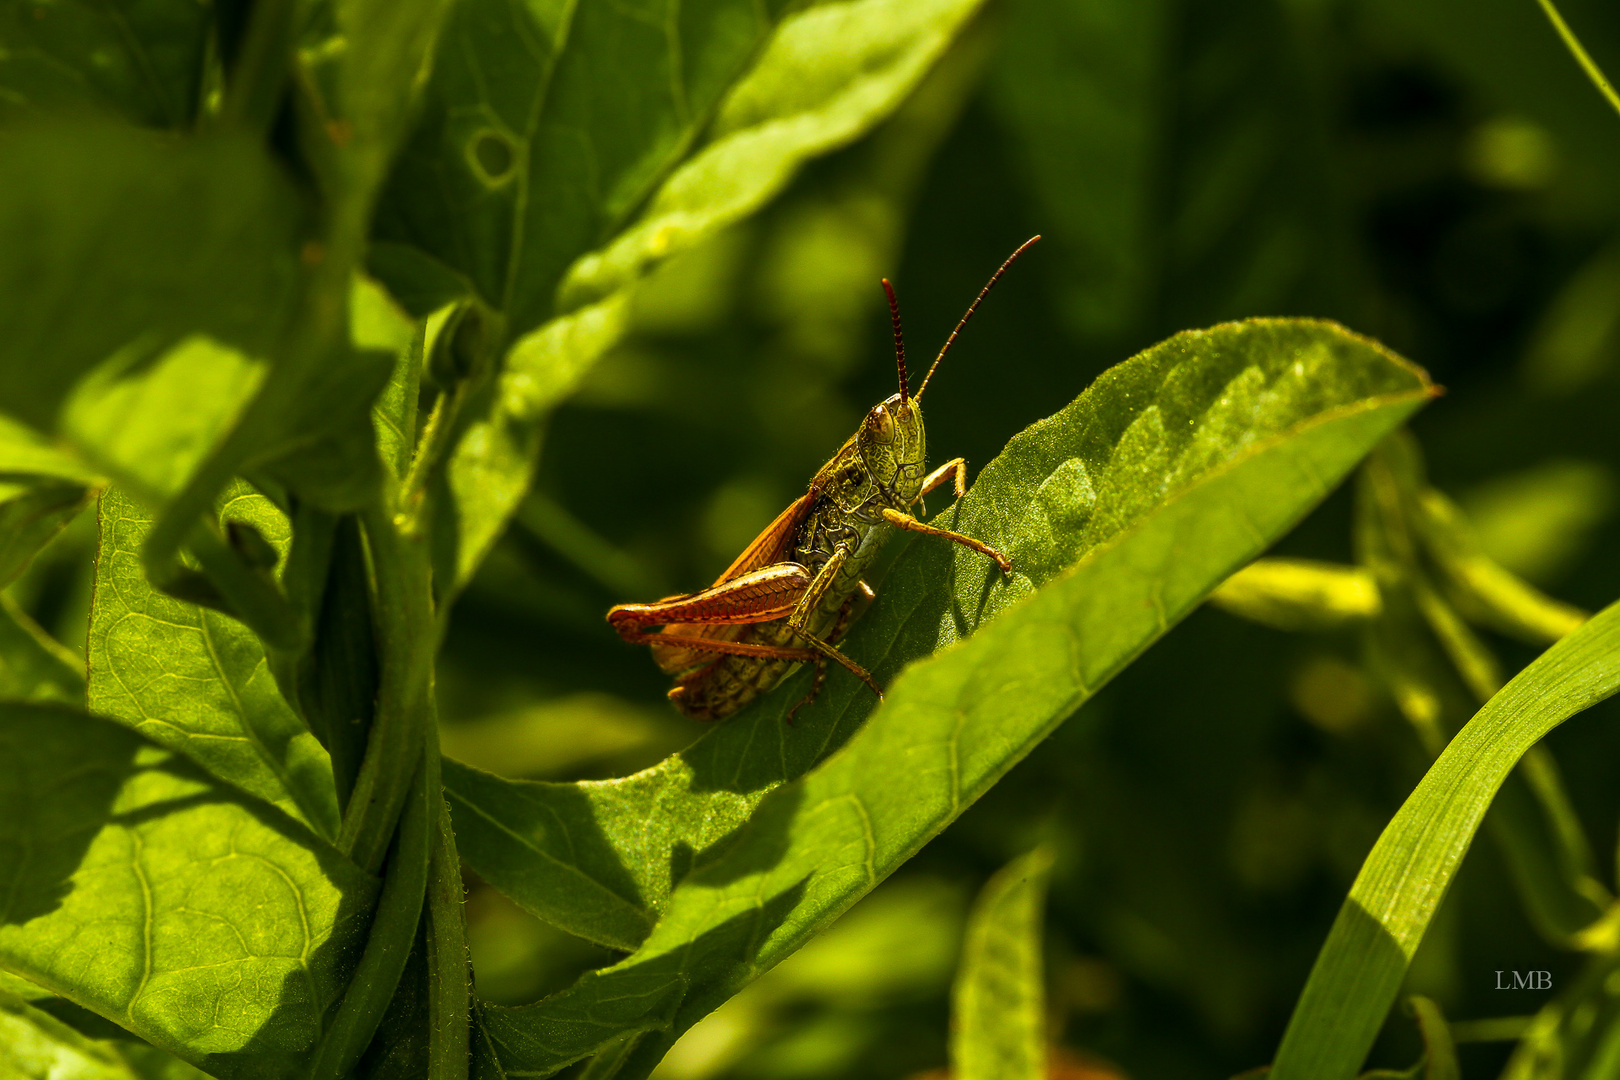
(1438, 175)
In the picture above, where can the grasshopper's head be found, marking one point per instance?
(891, 445)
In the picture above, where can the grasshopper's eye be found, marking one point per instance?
(881, 423)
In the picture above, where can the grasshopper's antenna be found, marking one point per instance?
(995, 277)
(899, 339)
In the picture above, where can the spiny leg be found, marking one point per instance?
(815, 688)
(955, 468)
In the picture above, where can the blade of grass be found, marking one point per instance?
(1402, 882)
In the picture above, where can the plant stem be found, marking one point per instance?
(393, 931)
(403, 721)
(1588, 65)
(253, 89)
(449, 982)
(437, 434)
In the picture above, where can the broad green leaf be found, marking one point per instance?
(195, 680)
(998, 1006)
(143, 60)
(552, 163)
(140, 888)
(826, 76)
(544, 126)
(1402, 881)
(546, 851)
(1119, 513)
(33, 667)
(37, 1044)
(113, 237)
(148, 423)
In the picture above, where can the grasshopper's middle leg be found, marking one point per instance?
(864, 596)
(804, 610)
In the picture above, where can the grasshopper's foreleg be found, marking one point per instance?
(905, 521)
(956, 468)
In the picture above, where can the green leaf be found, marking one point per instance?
(111, 234)
(541, 845)
(34, 1045)
(549, 165)
(1226, 436)
(23, 452)
(142, 59)
(149, 422)
(325, 448)
(998, 1021)
(142, 889)
(195, 680)
(42, 488)
(827, 76)
(377, 324)
(31, 514)
(33, 666)
(1402, 881)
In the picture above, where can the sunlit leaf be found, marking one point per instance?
(142, 889)
(195, 680)
(998, 1021)
(157, 237)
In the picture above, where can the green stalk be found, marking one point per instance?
(1588, 65)
(403, 721)
(449, 974)
(393, 931)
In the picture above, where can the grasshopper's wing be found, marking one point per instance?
(773, 545)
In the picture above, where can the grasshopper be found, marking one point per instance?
(791, 595)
